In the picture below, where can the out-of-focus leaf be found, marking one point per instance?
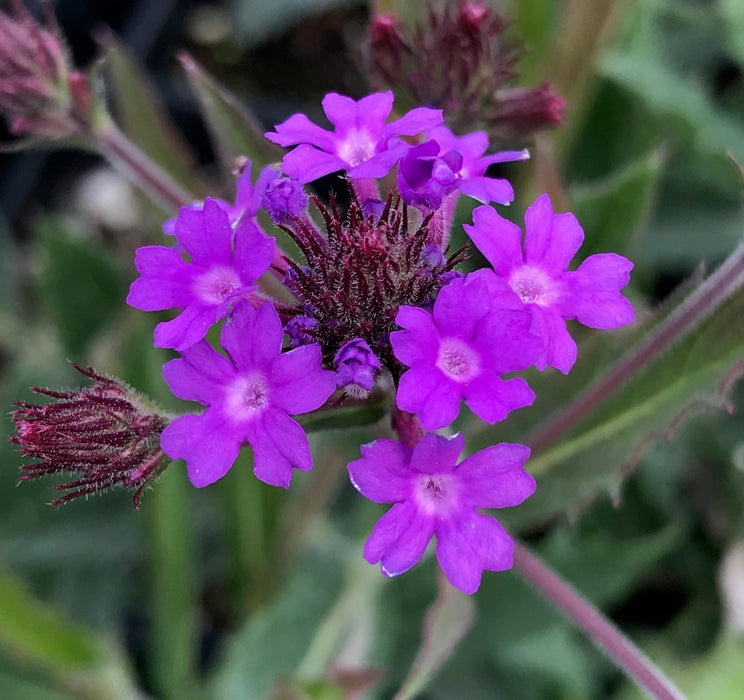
(352, 416)
(259, 21)
(719, 674)
(273, 642)
(670, 94)
(733, 15)
(23, 689)
(35, 634)
(82, 286)
(446, 622)
(695, 375)
(235, 131)
(613, 210)
(143, 118)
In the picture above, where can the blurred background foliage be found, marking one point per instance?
(243, 591)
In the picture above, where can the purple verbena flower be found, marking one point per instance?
(300, 329)
(248, 197)
(472, 148)
(361, 143)
(460, 352)
(283, 198)
(434, 496)
(224, 267)
(539, 276)
(356, 367)
(250, 395)
(426, 175)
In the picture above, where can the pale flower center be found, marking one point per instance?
(247, 396)
(458, 360)
(533, 285)
(217, 284)
(436, 493)
(357, 147)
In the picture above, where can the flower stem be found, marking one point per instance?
(139, 168)
(698, 306)
(600, 630)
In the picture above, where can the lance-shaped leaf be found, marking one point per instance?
(143, 118)
(234, 129)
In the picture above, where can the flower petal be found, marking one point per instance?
(499, 240)
(488, 189)
(420, 341)
(426, 391)
(436, 454)
(186, 329)
(382, 474)
(550, 240)
(199, 375)
(492, 398)
(298, 382)
(299, 129)
(253, 251)
(306, 163)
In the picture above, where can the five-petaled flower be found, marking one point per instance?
(250, 396)
(539, 276)
(433, 496)
(223, 268)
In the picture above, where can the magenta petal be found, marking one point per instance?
(150, 294)
(550, 240)
(306, 163)
(468, 545)
(561, 347)
(436, 454)
(593, 292)
(279, 444)
(499, 240)
(252, 338)
(187, 329)
(427, 392)
(298, 382)
(492, 398)
(460, 306)
(382, 474)
(420, 341)
(203, 442)
(299, 129)
(488, 189)
(160, 262)
(495, 477)
(253, 251)
(399, 539)
(505, 340)
(371, 111)
(206, 234)
(379, 164)
(414, 122)
(505, 157)
(199, 375)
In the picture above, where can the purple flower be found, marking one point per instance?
(224, 267)
(284, 199)
(300, 329)
(425, 177)
(250, 396)
(539, 276)
(248, 198)
(460, 352)
(434, 496)
(472, 147)
(361, 142)
(356, 365)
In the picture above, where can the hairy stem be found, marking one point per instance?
(601, 631)
(698, 306)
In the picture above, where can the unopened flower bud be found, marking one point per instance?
(284, 199)
(102, 436)
(356, 366)
(40, 94)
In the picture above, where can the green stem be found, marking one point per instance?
(173, 655)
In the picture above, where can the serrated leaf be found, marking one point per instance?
(614, 209)
(82, 286)
(143, 117)
(695, 375)
(234, 129)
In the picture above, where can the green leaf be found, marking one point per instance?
(613, 210)
(274, 640)
(733, 15)
(143, 117)
(351, 416)
(234, 129)
(595, 457)
(671, 95)
(446, 622)
(81, 284)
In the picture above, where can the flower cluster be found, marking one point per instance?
(377, 303)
